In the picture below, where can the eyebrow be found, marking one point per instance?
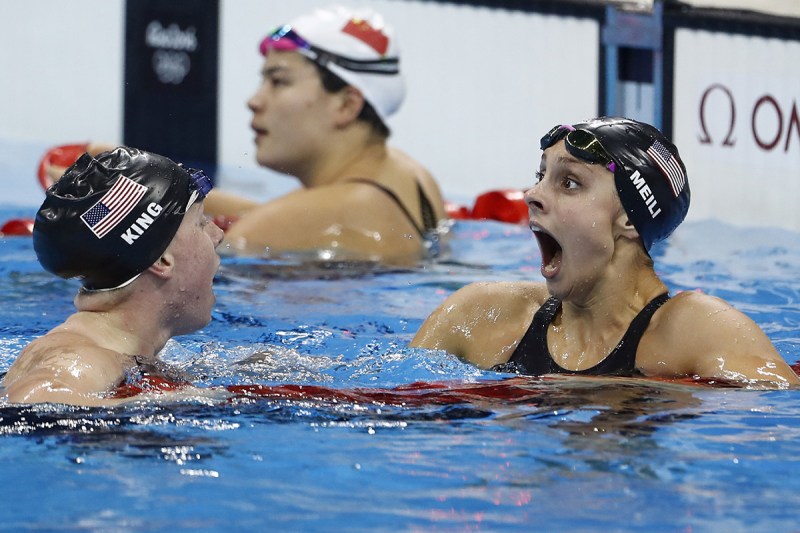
(569, 158)
(568, 162)
(272, 70)
(562, 159)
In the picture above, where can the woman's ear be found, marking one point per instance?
(351, 102)
(164, 266)
(625, 227)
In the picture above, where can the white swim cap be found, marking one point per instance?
(355, 45)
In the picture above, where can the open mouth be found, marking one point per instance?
(551, 253)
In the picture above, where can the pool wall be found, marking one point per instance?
(482, 84)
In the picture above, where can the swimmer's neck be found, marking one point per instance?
(115, 325)
(118, 333)
(600, 321)
(628, 284)
(358, 155)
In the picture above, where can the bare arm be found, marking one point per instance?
(482, 323)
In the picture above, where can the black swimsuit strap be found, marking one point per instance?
(426, 208)
(528, 357)
(532, 356)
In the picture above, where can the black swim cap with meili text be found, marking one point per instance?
(649, 175)
(110, 217)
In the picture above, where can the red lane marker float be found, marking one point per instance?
(519, 389)
(147, 383)
(504, 205)
(413, 394)
(62, 156)
(456, 211)
(17, 227)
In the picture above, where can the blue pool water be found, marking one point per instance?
(569, 454)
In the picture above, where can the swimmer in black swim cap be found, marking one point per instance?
(110, 217)
(648, 172)
(130, 225)
(607, 189)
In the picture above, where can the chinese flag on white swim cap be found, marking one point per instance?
(364, 52)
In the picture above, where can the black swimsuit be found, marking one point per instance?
(532, 356)
(429, 222)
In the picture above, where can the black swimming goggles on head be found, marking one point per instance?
(322, 57)
(580, 143)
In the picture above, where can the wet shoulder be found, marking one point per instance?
(65, 352)
(693, 331)
(491, 308)
(689, 310)
(483, 322)
(512, 297)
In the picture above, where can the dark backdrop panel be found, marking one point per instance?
(171, 60)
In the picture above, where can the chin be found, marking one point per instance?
(554, 288)
(263, 161)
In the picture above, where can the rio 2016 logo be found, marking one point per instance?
(171, 60)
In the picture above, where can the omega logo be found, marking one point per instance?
(784, 121)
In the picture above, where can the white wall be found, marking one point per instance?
(62, 69)
(483, 85)
(739, 182)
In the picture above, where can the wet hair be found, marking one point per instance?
(333, 84)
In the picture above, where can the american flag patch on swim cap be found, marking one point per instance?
(669, 167)
(113, 207)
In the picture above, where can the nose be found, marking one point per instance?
(256, 102)
(534, 197)
(216, 234)
(253, 103)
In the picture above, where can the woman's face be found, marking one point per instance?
(573, 207)
(194, 247)
(291, 113)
